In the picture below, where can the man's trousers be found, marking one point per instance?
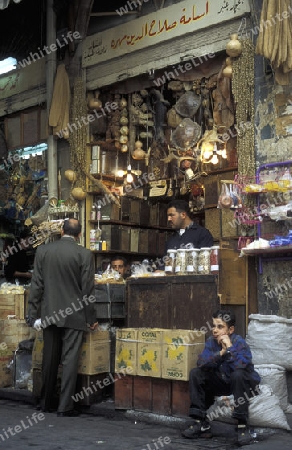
(61, 346)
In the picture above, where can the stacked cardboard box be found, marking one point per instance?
(94, 356)
(126, 351)
(159, 353)
(181, 349)
(149, 352)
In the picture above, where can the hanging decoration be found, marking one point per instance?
(243, 91)
(274, 42)
(78, 143)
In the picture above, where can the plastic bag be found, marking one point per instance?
(225, 199)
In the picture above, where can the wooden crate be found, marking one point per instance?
(13, 331)
(143, 241)
(134, 240)
(125, 209)
(153, 215)
(144, 213)
(89, 385)
(213, 222)
(135, 211)
(161, 396)
(123, 391)
(211, 191)
(142, 393)
(229, 227)
(238, 286)
(152, 242)
(117, 237)
(12, 304)
(180, 403)
(162, 215)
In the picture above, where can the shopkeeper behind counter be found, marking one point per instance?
(18, 264)
(186, 231)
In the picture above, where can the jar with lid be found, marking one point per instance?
(214, 259)
(192, 255)
(180, 262)
(204, 261)
(170, 262)
(93, 213)
(92, 234)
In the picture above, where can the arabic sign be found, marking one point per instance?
(22, 80)
(186, 16)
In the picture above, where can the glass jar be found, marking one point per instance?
(180, 262)
(170, 262)
(214, 259)
(192, 255)
(204, 265)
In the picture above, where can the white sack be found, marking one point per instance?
(275, 377)
(264, 410)
(270, 340)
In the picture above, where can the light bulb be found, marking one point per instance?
(224, 154)
(214, 159)
(120, 173)
(207, 149)
(129, 177)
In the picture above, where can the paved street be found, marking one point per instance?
(22, 427)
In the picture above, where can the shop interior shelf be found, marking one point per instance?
(268, 251)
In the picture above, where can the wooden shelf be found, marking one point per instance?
(123, 252)
(129, 224)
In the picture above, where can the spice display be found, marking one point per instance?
(204, 261)
(170, 261)
(192, 255)
(214, 259)
(180, 262)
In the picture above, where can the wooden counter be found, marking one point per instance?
(185, 301)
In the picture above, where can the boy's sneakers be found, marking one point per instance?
(243, 435)
(201, 428)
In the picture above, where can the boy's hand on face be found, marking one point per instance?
(225, 342)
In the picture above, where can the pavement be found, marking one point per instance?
(101, 426)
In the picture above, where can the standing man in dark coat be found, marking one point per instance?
(62, 289)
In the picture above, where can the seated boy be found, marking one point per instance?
(224, 367)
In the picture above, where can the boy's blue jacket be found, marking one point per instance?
(238, 357)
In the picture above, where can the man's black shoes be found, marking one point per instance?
(71, 413)
(200, 429)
